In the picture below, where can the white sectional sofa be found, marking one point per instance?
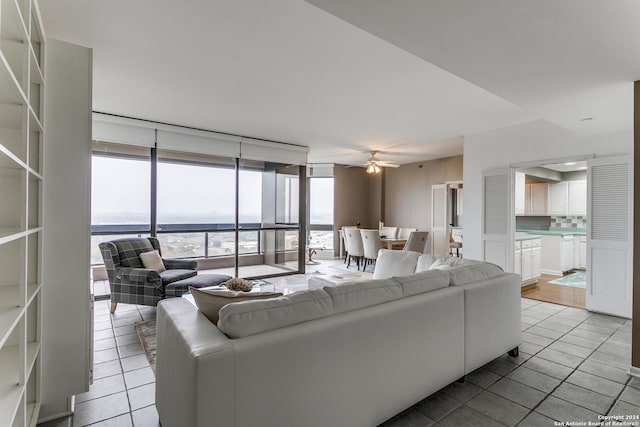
(347, 355)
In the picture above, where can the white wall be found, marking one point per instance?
(66, 223)
(533, 141)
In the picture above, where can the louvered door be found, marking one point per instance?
(609, 235)
(498, 217)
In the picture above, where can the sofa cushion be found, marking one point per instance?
(473, 272)
(209, 302)
(424, 281)
(395, 263)
(152, 260)
(425, 261)
(239, 320)
(170, 276)
(176, 289)
(352, 296)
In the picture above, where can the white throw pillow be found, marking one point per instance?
(395, 263)
(425, 261)
(153, 261)
(209, 302)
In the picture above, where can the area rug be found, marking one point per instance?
(147, 334)
(575, 280)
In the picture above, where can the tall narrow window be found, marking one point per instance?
(321, 212)
(120, 196)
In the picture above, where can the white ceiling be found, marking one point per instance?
(288, 71)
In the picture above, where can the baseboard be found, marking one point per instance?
(56, 417)
(634, 372)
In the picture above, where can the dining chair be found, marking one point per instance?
(389, 232)
(403, 233)
(371, 245)
(354, 245)
(344, 239)
(417, 242)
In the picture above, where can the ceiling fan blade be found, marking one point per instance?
(388, 164)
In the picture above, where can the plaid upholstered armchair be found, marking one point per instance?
(130, 282)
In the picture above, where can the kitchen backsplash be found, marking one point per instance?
(573, 221)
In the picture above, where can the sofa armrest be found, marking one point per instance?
(139, 276)
(195, 368)
(491, 319)
(182, 264)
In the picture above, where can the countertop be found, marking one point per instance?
(526, 236)
(560, 231)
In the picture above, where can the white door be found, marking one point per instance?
(498, 234)
(519, 193)
(609, 235)
(439, 226)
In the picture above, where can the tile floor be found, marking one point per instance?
(572, 367)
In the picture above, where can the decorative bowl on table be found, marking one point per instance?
(238, 284)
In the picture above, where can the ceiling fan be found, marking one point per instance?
(374, 165)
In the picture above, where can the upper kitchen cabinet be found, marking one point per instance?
(538, 199)
(577, 204)
(530, 199)
(568, 198)
(558, 198)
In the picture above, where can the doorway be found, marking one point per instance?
(550, 209)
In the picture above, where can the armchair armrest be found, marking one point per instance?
(184, 264)
(139, 276)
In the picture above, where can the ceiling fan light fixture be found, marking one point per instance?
(373, 168)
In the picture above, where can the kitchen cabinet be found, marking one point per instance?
(557, 254)
(530, 199)
(558, 196)
(582, 251)
(527, 260)
(538, 199)
(577, 198)
(568, 198)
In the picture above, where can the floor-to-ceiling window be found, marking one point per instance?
(242, 215)
(120, 194)
(321, 212)
(196, 205)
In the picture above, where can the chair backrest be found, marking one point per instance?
(389, 232)
(371, 243)
(354, 242)
(126, 252)
(344, 235)
(417, 242)
(403, 233)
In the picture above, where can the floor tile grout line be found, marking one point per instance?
(567, 377)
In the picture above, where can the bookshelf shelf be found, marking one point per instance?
(22, 82)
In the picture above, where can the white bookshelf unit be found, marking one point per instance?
(21, 183)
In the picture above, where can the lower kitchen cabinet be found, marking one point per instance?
(557, 254)
(582, 252)
(527, 260)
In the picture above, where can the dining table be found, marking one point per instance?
(393, 243)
